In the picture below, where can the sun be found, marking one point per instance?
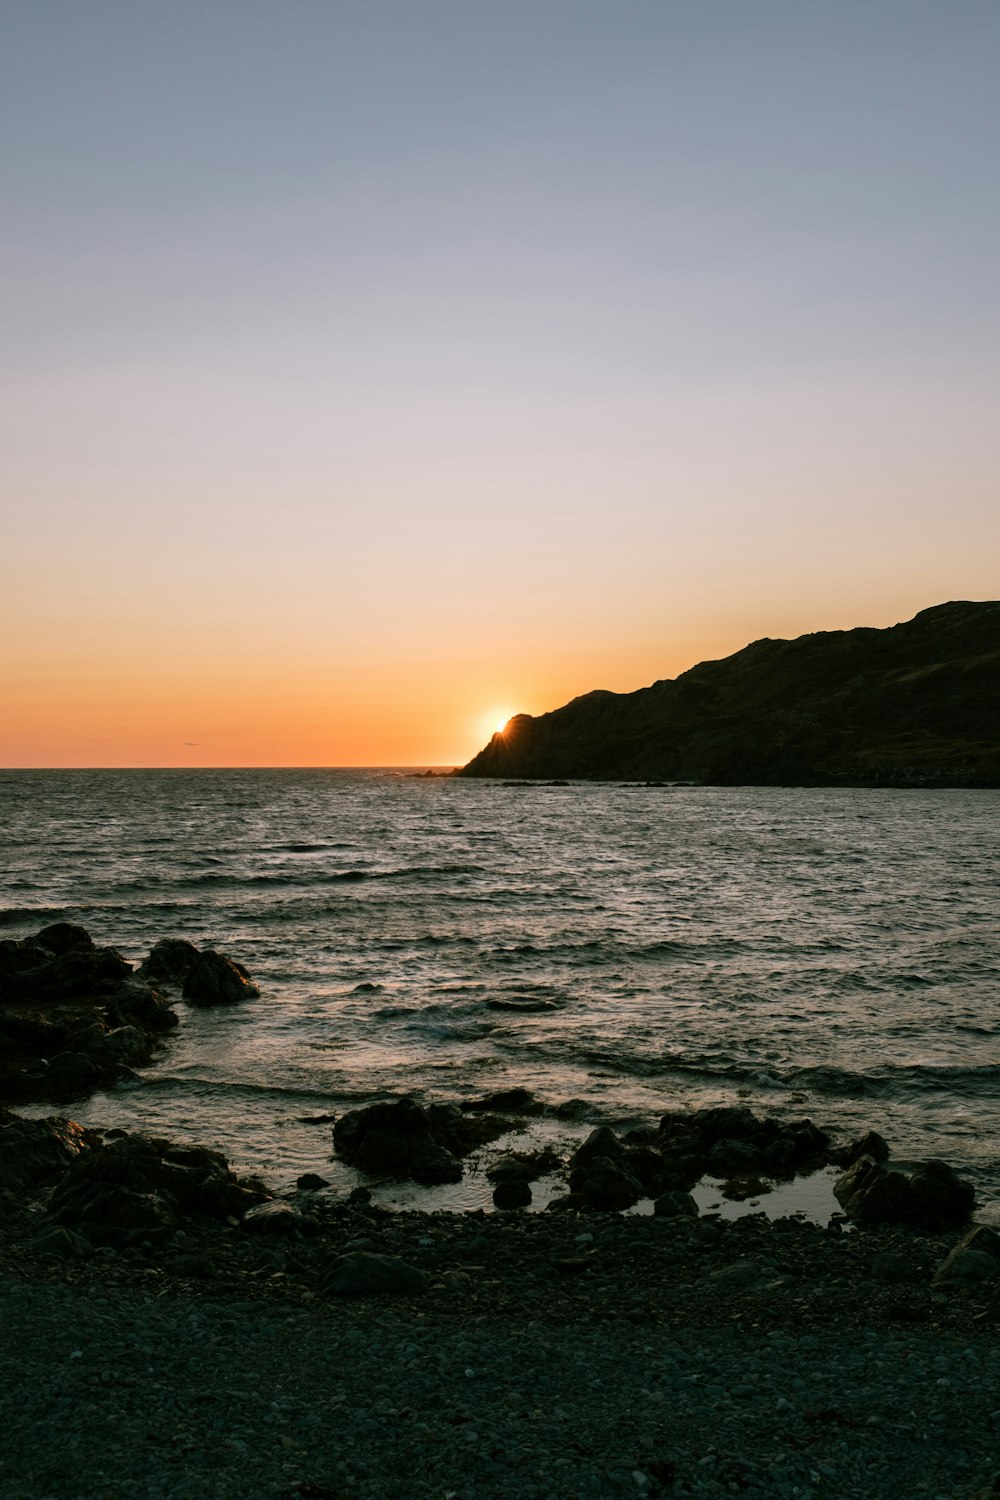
(501, 724)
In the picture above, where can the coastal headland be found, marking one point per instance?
(915, 705)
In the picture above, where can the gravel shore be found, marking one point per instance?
(551, 1355)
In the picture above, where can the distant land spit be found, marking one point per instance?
(915, 705)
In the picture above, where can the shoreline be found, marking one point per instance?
(539, 1355)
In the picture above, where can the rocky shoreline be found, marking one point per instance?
(317, 1347)
(174, 1330)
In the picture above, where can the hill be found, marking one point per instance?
(917, 704)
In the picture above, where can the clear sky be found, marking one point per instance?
(372, 369)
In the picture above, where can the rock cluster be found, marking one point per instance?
(609, 1172)
(121, 1191)
(932, 1198)
(75, 1017)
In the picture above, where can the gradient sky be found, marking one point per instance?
(371, 369)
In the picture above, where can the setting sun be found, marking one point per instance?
(501, 724)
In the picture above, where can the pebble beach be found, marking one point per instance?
(556, 1355)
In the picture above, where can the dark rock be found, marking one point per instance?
(33, 1152)
(134, 1188)
(675, 1205)
(71, 1074)
(136, 1003)
(111, 1213)
(32, 973)
(933, 1198)
(941, 1200)
(395, 1140)
(275, 1217)
(975, 1258)
(600, 1142)
(19, 956)
(63, 937)
(509, 1169)
(311, 1182)
(512, 1193)
(571, 1109)
(966, 1266)
(365, 1274)
(505, 1101)
(731, 1157)
(893, 1268)
(431, 1163)
(214, 979)
(63, 1243)
(725, 1122)
(870, 1144)
(606, 1183)
(170, 961)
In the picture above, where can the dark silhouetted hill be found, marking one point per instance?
(915, 705)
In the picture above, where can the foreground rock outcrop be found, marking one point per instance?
(75, 1016)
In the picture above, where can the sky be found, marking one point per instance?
(371, 370)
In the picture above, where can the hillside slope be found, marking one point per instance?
(917, 704)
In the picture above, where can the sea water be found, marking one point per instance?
(825, 952)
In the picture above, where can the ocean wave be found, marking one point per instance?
(11, 916)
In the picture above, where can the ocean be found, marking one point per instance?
(825, 952)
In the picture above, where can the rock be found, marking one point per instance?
(214, 979)
(32, 973)
(363, 1274)
(113, 1214)
(509, 1169)
(62, 937)
(941, 1200)
(125, 1046)
(606, 1183)
(66, 1244)
(673, 1205)
(170, 961)
(311, 1182)
(571, 1109)
(893, 1268)
(964, 1265)
(600, 1142)
(512, 1193)
(136, 1003)
(71, 1074)
(870, 1144)
(33, 1152)
(275, 1217)
(394, 1139)
(933, 1198)
(505, 1101)
(975, 1258)
(524, 1166)
(431, 1164)
(732, 1123)
(134, 1188)
(871, 1194)
(731, 1157)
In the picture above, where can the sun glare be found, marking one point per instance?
(501, 724)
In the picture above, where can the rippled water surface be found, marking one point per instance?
(824, 952)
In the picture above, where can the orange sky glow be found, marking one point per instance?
(370, 378)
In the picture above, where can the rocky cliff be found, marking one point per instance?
(917, 704)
